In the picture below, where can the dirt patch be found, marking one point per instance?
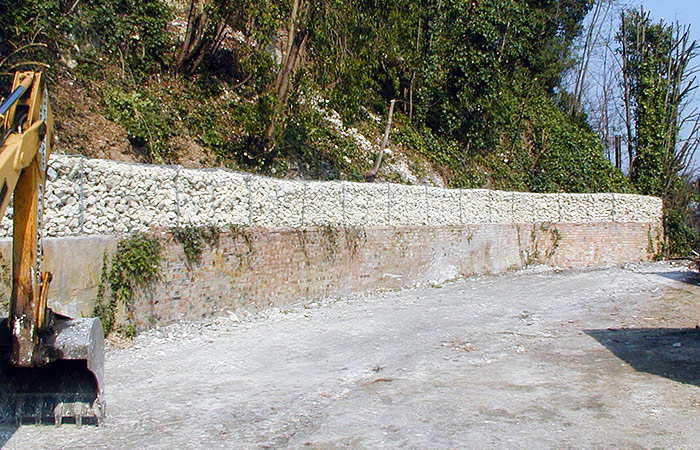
(191, 155)
(80, 128)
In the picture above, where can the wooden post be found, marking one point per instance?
(369, 176)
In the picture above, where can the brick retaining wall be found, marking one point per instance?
(259, 267)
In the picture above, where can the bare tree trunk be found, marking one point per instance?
(592, 36)
(200, 39)
(194, 37)
(410, 96)
(627, 99)
(292, 60)
(604, 113)
(283, 90)
(291, 31)
(370, 176)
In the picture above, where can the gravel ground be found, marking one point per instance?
(539, 358)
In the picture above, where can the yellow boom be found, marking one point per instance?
(50, 365)
(23, 157)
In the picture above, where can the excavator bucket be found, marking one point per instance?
(67, 389)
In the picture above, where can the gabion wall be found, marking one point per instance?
(91, 196)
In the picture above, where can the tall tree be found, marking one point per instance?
(206, 29)
(297, 37)
(657, 80)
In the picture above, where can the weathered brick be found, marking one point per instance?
(276, 267)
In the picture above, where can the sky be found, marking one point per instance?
(685, 11)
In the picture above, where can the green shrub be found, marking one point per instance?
(129, 34)
(681, 233)
(566, 155)
(132, 32)
(135, 264)
(147, 125)
(193, 240)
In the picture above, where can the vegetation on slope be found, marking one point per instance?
(476, 84)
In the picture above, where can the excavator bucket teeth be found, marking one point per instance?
(68, 389)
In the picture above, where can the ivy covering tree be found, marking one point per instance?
(653, 76)
(657, 81)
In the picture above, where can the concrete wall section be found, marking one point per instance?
(90, 196)
(76, 265)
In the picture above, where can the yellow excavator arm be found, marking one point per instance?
(27, 124)
(47, 360)
(24, 152)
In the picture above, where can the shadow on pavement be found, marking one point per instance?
(6, 432)
(682, 276)
(673, 353)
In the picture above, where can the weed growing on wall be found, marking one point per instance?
(355, 237)
(237, 231)
(244, 256)
(554, 236)
(656, 246)
(303, 244)
(192, 243)
(193, 239)
(105, 307)
(128, 331)
(135, 264)
(331, 235)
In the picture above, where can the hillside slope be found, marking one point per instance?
(300, 89)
